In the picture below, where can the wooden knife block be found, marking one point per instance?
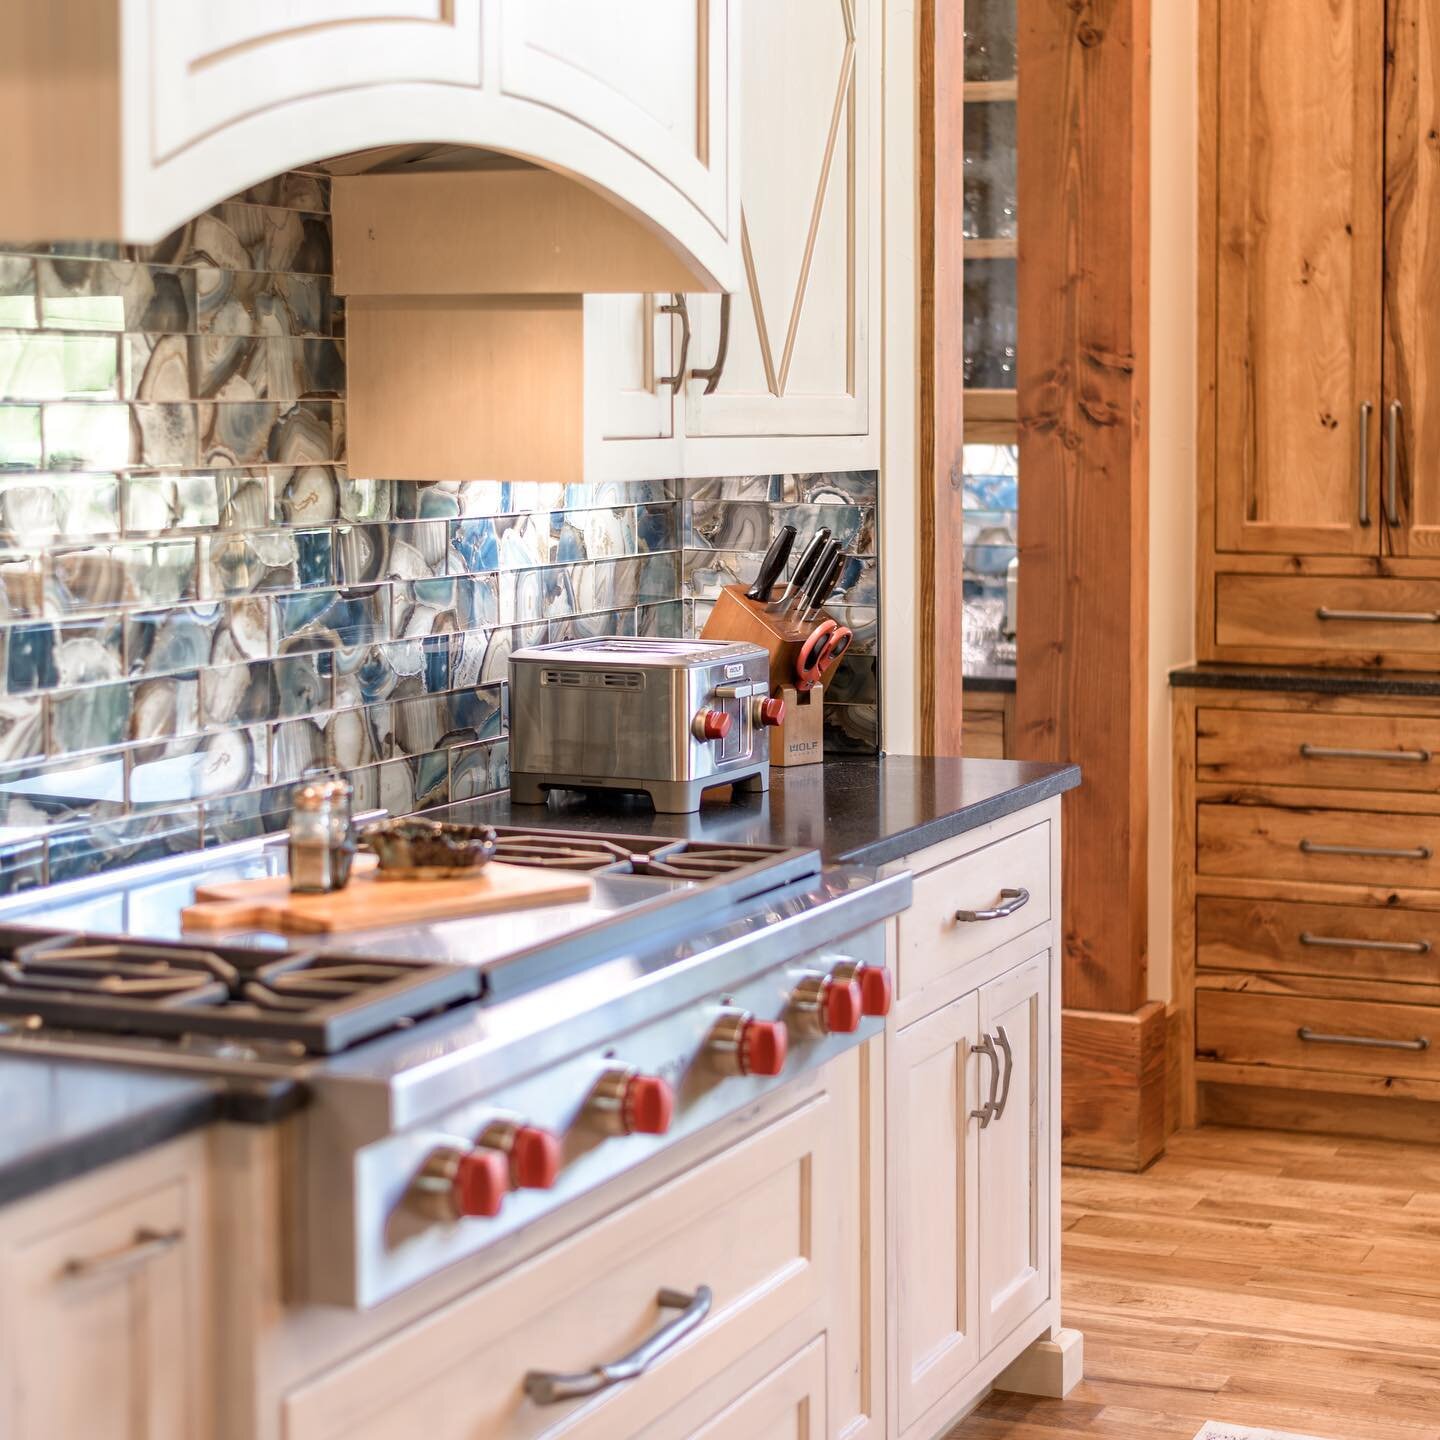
(737, 617)
(800, 738)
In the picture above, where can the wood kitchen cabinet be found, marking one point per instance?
(104, 1306)
(637, 97)
(784, 373)
(1317, 421)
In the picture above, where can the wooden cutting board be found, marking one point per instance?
(367, 902)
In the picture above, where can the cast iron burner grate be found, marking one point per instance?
(696, 860)
(315, 1003)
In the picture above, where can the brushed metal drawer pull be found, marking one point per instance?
(678, 306)
(1012, 900)
(1004, 1042)
(1392, 466)
(145, 1245)
(1368, 1042)
(1389, 617)
(987, 1111)
(1365, 852)
(1363, 467)
(1344, 752)
(549, 1387)
(1339, 942)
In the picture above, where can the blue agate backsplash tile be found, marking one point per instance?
(198, 600)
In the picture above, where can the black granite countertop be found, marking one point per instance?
(1314, 680)
(869, 812)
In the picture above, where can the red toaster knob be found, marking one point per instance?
(711, 725)
(770, 712)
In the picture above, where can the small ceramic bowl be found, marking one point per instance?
(411, 848)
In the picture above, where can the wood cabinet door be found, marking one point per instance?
(97, 1338)
(651, 75)
(933, 1155)
(1299, 171)
(1015, 1152)
(631, 377)
(795, 359)
(1410, 506)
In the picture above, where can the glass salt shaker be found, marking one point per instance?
(322, 840)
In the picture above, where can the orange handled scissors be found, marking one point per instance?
(825, 645)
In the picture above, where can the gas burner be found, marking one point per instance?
(660, 857)
(316, 1003)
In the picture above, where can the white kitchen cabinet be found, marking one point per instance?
(211, 99)
(782, 374)
(103, 1316)
(1014, 1199)
(788, 1404)
(934, 1189)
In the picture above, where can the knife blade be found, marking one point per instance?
(773, 564)
(804, 569)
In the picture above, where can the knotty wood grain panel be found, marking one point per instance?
(1290, 1281)
(1300, 208)
(1412, 276)
(1083, 405)
(941, 617)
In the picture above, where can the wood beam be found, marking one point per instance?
(1083, 413)
(941, 607)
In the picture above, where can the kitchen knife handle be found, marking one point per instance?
(772, 564)
(806, 567)
(678, 306)
(825, 577)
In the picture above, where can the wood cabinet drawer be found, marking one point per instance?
(1348, 847)
(1361, 615)
(753, 1223)
(1008, 881)
(1353, 1037)
(1281, 747)
(1287, 937)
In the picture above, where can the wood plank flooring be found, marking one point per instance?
(1291, 1281)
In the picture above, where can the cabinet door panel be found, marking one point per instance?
(97, 1325)
(933, 1166)
(796, 360)
(651, 74)
(1299, 168)
(631, 351)
(788, 1404)
(1412, 280)
(215, 64)
(1015, 1154)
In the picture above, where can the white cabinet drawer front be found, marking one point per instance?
(751, 1223)
(1011, 876)
(788, 1404)
(652, 75)
(214, 64)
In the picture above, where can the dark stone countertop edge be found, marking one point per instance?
(940, 828)
(1316, 681)
(245, 1103)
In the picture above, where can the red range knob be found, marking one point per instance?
(770, 712)
(482, 1176)
(843, 1007)
(876, 989)
(763, 1044)
(534, 1158)
(649, 1104)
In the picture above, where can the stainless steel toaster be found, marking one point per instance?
(667, 717)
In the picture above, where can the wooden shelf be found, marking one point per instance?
(999, 248)
(990, 417)
(983, 91)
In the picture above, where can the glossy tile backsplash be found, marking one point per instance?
(198, 601)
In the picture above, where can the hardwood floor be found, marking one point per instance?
(1290, 1281)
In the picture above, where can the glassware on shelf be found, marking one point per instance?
(990, 171)
(991, 323)
(990, 39)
